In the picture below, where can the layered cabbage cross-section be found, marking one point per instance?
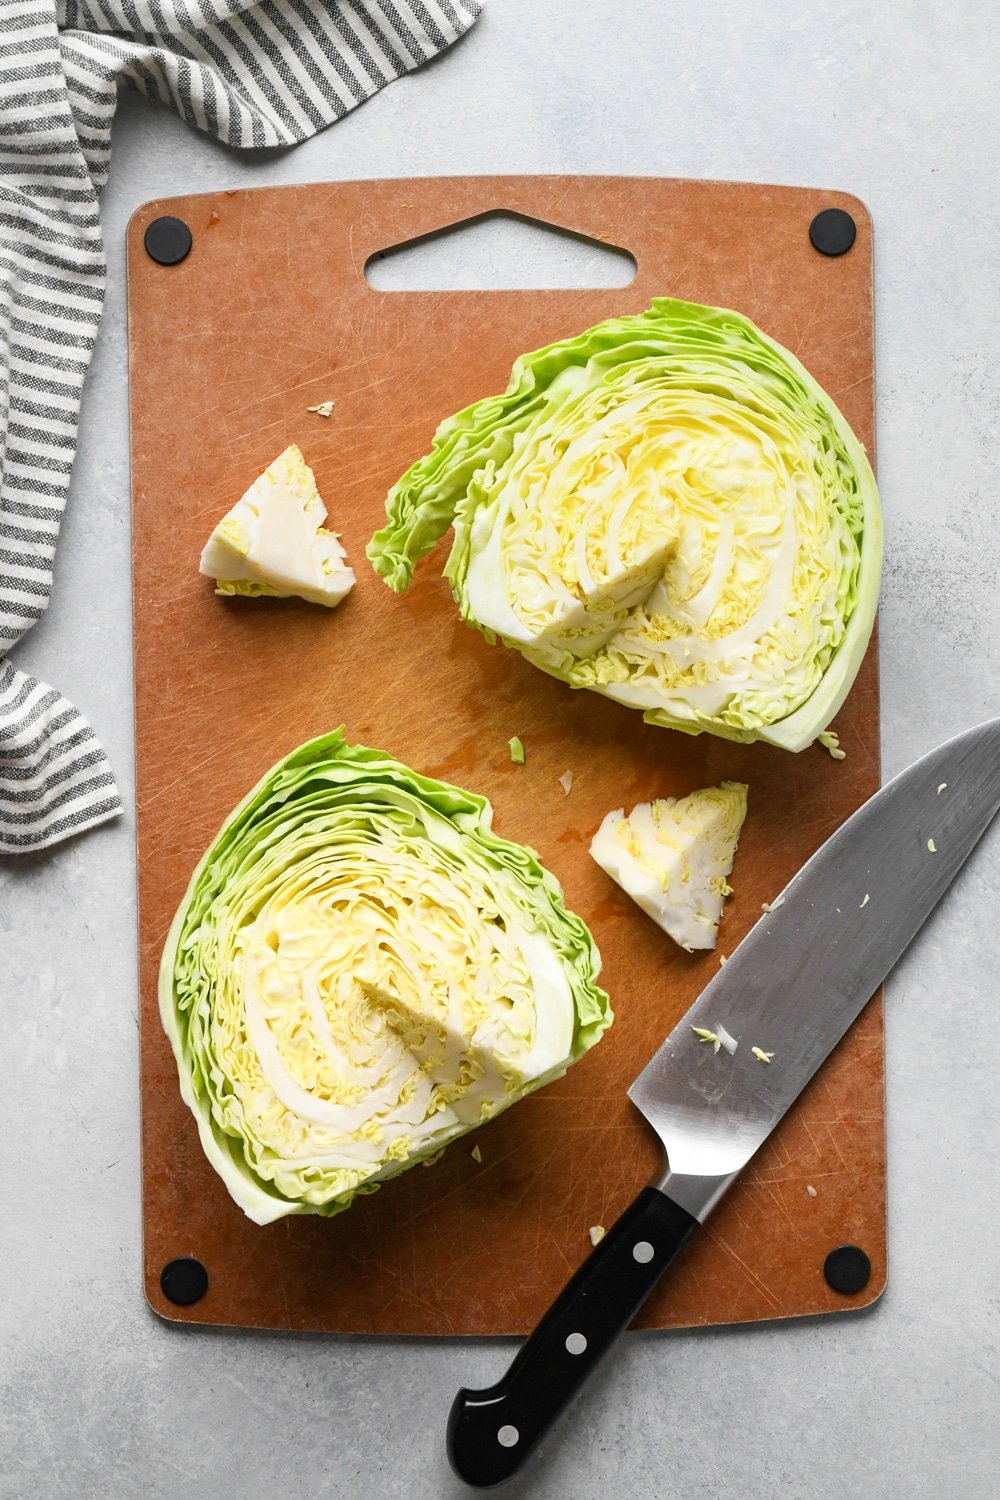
(360, 971)
(667, 509)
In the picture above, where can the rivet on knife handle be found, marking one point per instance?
(491, 1432)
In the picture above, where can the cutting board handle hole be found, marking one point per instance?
(499, 251)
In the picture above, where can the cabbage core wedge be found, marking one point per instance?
(666, 509)
(274, 540)
(674, 857)
(360, 971)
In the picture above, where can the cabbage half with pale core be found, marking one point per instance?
(667, 509)
(273, 541)
(360, 971)
(674, 857)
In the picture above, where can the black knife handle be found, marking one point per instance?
(491, 1433)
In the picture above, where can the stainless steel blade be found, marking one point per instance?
(808, 967)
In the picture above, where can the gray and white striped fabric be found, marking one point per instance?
(253, 74)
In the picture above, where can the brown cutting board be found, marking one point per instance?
(271, 313)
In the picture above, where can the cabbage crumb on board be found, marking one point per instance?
(361, 971)
(673, 857)
(829, 740)
(274, 541)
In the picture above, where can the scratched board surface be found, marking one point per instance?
(269, 314)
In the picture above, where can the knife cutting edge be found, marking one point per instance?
(792, 988)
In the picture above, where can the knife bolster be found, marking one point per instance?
(695, 1193)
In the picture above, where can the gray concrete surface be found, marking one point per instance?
(897, 103)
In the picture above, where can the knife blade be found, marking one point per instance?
(792, 988)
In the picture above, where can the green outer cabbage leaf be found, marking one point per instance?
(682, 376)
(326, 859)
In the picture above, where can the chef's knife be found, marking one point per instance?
(791, 988)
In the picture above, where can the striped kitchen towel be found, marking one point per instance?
(254, 74)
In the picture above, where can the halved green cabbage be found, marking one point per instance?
(667, 509)
(360, 971)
